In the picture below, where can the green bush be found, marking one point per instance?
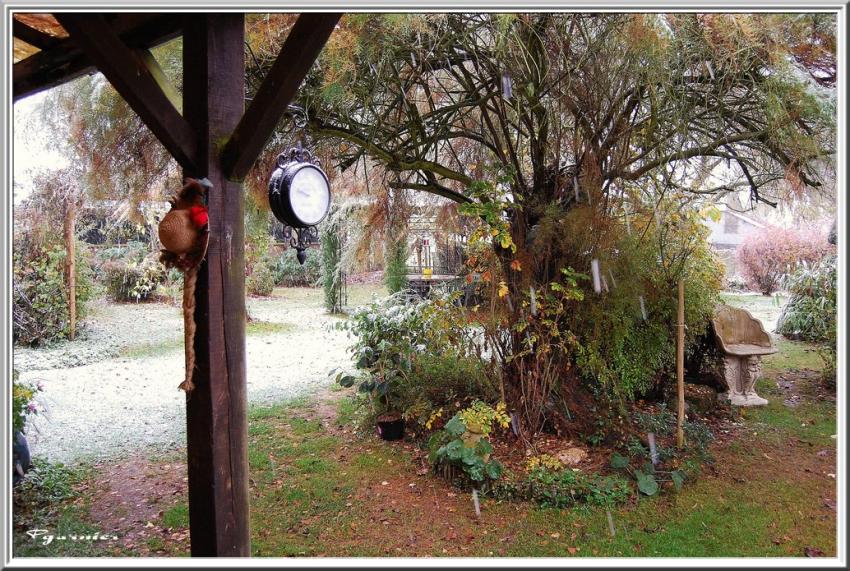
(413, 355)
(261, 280)
(333, 278)
(673, 464)
(621, 350)
(133, 279)
(568, 487)
(810, 313)
(438, 381)
(395, 266)
(39, 300)
(287, 272)
(549, 483)
(47, 483)
(464, 442)
(170, 290)
(24, 402)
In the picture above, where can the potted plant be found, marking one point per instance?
(390, 333)
(23, 405)
(381, 377)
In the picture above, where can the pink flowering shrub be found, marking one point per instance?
(767, 255)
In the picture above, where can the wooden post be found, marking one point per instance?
(216, 411)
(680, 366)
(70, 266)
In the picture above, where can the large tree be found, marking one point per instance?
(608, 102)
(529, 119)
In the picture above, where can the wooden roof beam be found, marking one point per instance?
(139, 85)
(64, 61)
(301, 48)
(32, 36)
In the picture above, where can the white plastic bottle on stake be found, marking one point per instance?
(507, 86)
(594, 270)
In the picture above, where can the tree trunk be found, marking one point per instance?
(70, 265)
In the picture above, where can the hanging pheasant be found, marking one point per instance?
(184, 234)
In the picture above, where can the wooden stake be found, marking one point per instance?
(680, 366)
(70, 267)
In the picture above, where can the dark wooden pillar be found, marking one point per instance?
(216, 411)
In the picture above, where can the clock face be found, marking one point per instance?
(309, 195)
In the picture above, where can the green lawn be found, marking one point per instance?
(765, 308)
(319, 489)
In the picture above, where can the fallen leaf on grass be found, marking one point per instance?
(555, 535)
(813, 552)
(572, 550)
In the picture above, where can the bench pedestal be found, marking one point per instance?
(740, 372)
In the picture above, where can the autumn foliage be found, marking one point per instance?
(769, 254)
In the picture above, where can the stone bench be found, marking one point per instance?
(742, 341)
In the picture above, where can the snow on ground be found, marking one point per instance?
(114, 389)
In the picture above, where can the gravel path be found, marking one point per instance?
(114, 389)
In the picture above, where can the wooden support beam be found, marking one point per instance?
(160, 78)
(216, 411)
(32, 36)
(301, 48)
(65, 61)
(132, 78)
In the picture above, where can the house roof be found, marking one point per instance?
(726, 210)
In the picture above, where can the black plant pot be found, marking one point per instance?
(390, 427)
(20, 457)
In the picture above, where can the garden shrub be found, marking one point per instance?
(24, 402)
(170, 290)
(333, 278)
(446, 380)
(261, 281)
(674, 465)
(619, 350)
(395, 265)
(811, 312)
(258, 236)
(550, 484)
(566, 487)
(47, 483)
(39, 300)
(464, 442)
(767, 255)
(288, 272)
(413, 356)
(133, 279)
